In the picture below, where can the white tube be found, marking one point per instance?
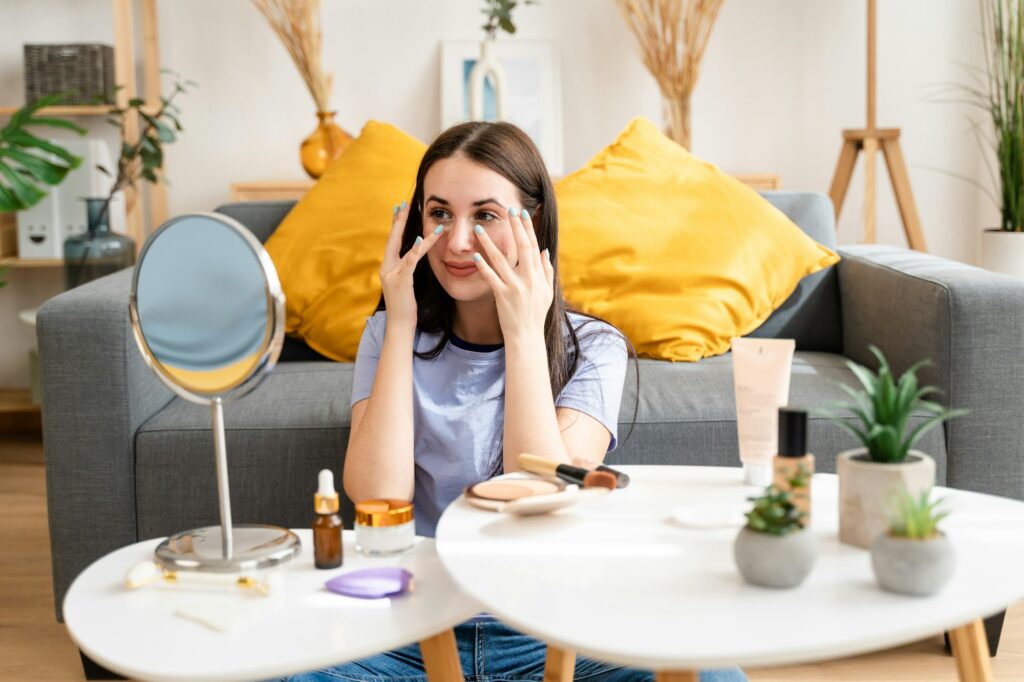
(760, 371)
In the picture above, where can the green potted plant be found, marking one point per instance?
(869, 476)
(1002, 249)
(774, 548)
(99, 251)
(913, 557)
(28, 163)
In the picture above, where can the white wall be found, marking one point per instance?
(780, 80)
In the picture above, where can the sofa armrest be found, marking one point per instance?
(970, 323)
(96, 391)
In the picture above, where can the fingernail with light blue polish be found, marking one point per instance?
(547, 254)
(524, 214)
(478, 229)
(418, 240)
(511, 211)
(438, 229)
(394, 210)
(476, 257)
(404, 205)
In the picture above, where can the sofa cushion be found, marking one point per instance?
(296, 423)
(679, 256)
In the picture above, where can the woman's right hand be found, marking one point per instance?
(396, 270)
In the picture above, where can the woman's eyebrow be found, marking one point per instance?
(481, 202)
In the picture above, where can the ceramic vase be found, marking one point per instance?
(779, 561)
(487, 65)
(324, 145)
(1002, 251)
(914, 567)
(867, 488)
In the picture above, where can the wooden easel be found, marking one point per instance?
(870, 140)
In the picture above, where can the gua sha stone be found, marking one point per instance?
(372, 583)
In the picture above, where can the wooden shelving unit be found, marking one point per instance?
(16, 401)
(31, 262)
(124, 74)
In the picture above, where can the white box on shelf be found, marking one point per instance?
(43, 228)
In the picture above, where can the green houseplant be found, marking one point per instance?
(1002, 100)
(28, 162)
(868, 476)
(913, 556)
(99, 251)
(774, 549)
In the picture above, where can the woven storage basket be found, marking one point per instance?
(84, 70)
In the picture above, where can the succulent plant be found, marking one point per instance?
(884, 407)
(916, 518)
(774, 512)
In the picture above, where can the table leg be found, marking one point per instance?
(677, 676)
(560, 665)
(970, 648)
(441, 658)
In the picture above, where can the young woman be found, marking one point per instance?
(472, 358)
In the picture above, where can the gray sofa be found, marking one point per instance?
(127, 460)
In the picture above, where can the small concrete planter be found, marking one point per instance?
(1002, 251)
(866, 490)
(779, 561)
(914, 567)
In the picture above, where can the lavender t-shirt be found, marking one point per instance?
(458, 405)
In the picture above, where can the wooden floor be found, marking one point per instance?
(33, 646)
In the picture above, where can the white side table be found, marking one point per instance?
(619, 580)
(303, 627)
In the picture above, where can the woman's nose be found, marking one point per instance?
(461, 237)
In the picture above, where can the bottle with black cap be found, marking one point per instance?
(793, 461)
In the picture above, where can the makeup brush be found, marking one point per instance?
(567, 472)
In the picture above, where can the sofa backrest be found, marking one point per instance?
(810, 315)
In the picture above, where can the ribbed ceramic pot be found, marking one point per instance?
(867, 488)
(779, 561)
(915, 567)
(1002, 251)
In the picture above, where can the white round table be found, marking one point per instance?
(302, 626)
(620, 580)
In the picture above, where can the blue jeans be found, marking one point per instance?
(489, 651)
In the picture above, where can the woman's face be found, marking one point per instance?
(460, 194)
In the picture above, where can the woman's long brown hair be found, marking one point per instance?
(508, 151)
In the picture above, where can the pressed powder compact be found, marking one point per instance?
(526, 496)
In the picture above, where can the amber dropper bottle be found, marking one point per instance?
(327, 525)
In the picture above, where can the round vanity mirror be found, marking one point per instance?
(207, 312)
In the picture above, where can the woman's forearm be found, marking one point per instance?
(531, 424)
(379, 459)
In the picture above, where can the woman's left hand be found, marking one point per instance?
(524, 291)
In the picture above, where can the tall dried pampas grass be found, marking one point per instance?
(673, 35)
(297, 24)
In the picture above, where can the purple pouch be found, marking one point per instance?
(372, 583)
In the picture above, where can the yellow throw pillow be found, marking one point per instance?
(678, 255)
(328, 249)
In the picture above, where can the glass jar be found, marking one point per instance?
(384, 527)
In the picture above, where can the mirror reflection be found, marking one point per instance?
(203, 305)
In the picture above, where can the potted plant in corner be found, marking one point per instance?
(1002, 249)
(499, 17)
(914, 557)
(870, 476)
(774, 549)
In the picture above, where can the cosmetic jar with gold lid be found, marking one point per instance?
(384, 527)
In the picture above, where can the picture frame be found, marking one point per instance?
(534, 99)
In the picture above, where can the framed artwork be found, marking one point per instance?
(534, 100)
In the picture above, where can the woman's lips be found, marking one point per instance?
(460, 271)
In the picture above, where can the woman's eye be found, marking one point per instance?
(439, 214)
(485, 215)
